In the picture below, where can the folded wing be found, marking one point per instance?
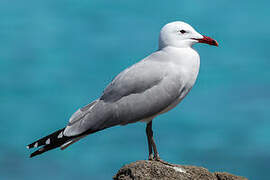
(139, 92)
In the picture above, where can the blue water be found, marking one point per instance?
(56, 56)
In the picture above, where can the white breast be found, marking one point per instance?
(185, 64)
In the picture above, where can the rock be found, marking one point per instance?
(153, 170)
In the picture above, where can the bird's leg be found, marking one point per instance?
(149, 134)
(152, 144)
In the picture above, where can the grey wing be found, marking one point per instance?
(136, 79)
(151, 102)
(139, 92)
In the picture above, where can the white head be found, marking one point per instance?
(180, 34)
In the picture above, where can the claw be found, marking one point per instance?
(163, 162)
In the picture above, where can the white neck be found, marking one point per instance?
(186, 61)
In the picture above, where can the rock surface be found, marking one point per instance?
(152, 170)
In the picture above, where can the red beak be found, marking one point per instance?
(207, 40)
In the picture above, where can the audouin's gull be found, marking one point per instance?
(141, 92)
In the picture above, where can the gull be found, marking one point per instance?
(151, 87)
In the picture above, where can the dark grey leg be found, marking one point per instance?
(149, 134)
(152, 145)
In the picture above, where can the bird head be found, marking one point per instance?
(180, 34)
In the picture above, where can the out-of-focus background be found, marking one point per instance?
(56, 56)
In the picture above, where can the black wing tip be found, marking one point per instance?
(38, 152)
(29, 146)
(43, 140)
(32, 155)
(32, 145)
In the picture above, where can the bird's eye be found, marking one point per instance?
(182, 31)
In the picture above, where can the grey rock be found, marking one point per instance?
(153, 170)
